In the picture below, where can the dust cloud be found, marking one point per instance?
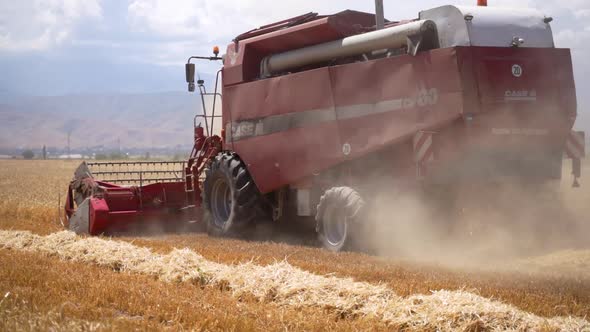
(487, 226)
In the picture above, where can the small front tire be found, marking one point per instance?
(337, 216)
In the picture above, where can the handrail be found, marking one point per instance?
(203, 91)
(202, 116)
(215, 94)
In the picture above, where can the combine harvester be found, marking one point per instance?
(317, 110)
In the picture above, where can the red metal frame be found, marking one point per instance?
(470, 82)
(115, 208)
(320, 118)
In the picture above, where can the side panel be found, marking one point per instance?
(384, 101)
(531, 90)
(163, 195)
(99, 216)
(288, 127)
(526, 108)
(79, 221)
(283, 128)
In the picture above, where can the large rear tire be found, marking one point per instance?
(231, 200)
(337, 216)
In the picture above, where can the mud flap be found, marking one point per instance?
(424, 152)
(575, 149)
(576, 171)
(79, 221)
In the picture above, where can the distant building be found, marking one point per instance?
(70, 156)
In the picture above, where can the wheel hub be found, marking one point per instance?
(336, 227)
(221, 202)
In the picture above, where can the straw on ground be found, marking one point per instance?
(284, 285)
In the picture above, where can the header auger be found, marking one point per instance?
(318, 110)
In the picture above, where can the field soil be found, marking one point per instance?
(53, 280)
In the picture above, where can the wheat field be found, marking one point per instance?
(53, 280)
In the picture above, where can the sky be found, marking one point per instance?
(60, 47)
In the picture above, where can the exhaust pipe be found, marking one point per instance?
(379, 15)
(409, 34)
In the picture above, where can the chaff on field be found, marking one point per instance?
(284, 285)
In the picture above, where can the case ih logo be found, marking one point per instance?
(520, 95)
(516, 70)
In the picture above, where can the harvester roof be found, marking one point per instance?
(451, 25)
(490, 26)
(248, 49)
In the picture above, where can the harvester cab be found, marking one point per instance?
(318, 110)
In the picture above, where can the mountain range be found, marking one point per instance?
(155, 120)
(143, 121)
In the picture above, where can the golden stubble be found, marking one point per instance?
(29, 192)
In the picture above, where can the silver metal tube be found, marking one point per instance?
(394, 37)
(379, 15)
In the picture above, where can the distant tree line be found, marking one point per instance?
(28, 154)
(115, 155)
(111, 156)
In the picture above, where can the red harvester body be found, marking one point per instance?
(316, 108)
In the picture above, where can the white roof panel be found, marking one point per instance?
(490, 26)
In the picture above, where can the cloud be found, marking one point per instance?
(165, 18)
(578, 40)
(205, 21)
(211, 20)
(188, 27)
(42, 24)
(198, 24)
(161, 34)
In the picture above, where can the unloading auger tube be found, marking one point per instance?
(408, 34)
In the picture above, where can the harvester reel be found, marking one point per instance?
(231, 200)
(337, 215)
